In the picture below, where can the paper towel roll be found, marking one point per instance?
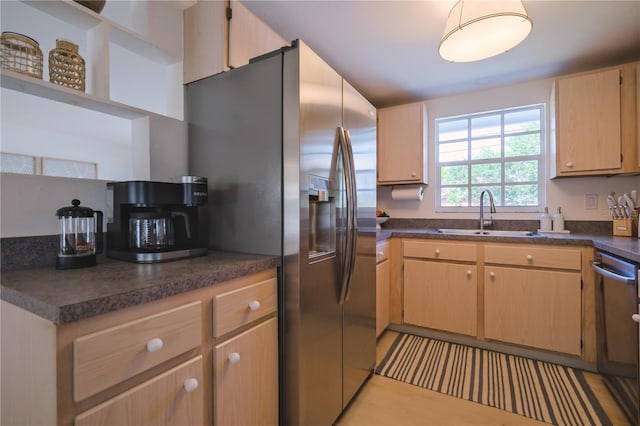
(410, 193)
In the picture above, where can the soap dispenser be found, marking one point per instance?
(545, 220)
(558, 220)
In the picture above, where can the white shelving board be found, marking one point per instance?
(44, 89)
(123, 67)
(133, 57)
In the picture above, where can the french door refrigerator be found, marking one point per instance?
(289, 150)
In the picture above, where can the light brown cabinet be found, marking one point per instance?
(383, 286)
(171, 398)
(527, 295)
(438, 293)
(402, 144)
(638, 112)
(161, 363)
(596, 130)
(212, 43)
(246, 377)
(245, 365)
(441, 295)
(533, 297)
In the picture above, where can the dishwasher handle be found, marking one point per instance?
(599, 268)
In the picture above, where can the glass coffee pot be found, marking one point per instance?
(80, 236)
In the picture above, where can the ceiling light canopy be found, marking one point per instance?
(478, 30)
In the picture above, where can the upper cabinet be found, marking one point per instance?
(218, 38)
(594, 128)
(638, 111)
(402, 144)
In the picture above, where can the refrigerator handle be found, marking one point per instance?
(352, 201)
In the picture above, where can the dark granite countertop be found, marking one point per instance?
(626, 247)
(71, 295)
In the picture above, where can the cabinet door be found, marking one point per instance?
(536, 308)
(638, 112)
(402, 144)
(588, 123)
(172, 398)
(249, 36)
(246, 377)
(383, 278)
(441, 296)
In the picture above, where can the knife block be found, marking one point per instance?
(626, 227)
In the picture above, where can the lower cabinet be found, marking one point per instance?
(172, 398)
(383, 286)
(441, 295)
(246, 377)
(533, 296)
(204, 357)
(529, 295)
(535, 308)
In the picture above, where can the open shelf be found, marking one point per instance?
(44, 89)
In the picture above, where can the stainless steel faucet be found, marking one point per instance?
(492, 209)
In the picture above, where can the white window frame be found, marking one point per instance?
(541, 158)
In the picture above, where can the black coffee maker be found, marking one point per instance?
(157, 221)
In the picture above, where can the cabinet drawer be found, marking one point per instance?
(439, 250)
(107, 357)
(238, 307)
(382, 251)
(530, 255)
(168, 399)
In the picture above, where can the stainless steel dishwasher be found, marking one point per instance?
(617, 329)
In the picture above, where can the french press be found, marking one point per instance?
(80, 236)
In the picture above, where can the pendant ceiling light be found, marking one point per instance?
(478, 29)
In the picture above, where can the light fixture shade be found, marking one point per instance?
(478, 30)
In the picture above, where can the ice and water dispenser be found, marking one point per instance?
(322, 218)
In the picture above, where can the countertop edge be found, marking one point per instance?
(626, 247)
(75, 311)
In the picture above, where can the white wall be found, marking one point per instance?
(28, 203)
(567, 192)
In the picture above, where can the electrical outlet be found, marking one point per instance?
(590, 201)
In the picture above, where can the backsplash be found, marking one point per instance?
(30, 252)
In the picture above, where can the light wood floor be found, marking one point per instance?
(384, 401)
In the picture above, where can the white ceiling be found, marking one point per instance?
(389, 49)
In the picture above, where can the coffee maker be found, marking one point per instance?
(156, 221)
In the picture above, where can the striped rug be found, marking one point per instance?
(547, 392)
(625, 392)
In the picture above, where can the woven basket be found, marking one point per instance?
(21, 54)
(66, 66)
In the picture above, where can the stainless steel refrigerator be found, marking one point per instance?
(289, 150)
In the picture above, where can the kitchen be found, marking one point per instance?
(157, 149)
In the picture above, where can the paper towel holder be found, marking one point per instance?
(407, 192)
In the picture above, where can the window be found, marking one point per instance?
(501, 151)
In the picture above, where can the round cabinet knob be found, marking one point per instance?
(529, 257)
(469, 272)
(414, 174)
(437, 252)
(254, 305)
(233, 357)
(154, 345)
(492, 274)
(191, 384)
(570, 164)
(635, 317)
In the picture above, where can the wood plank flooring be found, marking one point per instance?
(387, 402)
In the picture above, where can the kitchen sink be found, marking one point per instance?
(486, 232)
